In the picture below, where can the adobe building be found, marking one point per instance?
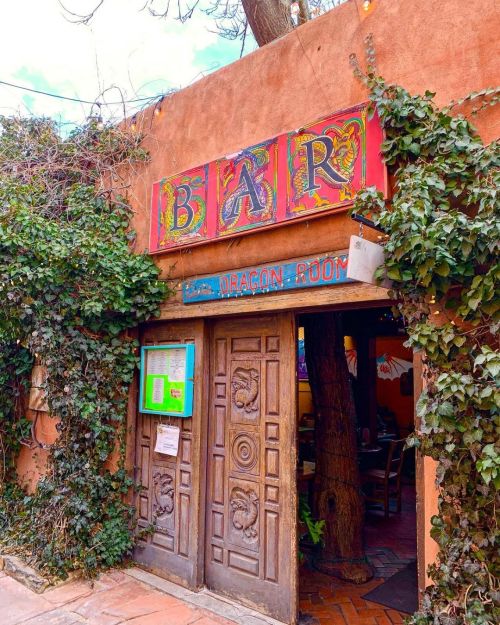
(243, 206)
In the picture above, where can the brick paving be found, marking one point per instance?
(113, 599)
(390, 546)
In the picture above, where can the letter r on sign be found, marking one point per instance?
(324, 164)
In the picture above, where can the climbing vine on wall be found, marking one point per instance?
(443, 227)
(70, 288)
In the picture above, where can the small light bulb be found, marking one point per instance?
(366, 5)
(157, 111)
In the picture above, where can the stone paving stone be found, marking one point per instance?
(395, 617)
(213, 620)
(101, 601)
(177, 615)
(59, 616)
(68, 592)
(110, 580)
(18, 603)
(144, 604)
(103, 619)
(332, 619)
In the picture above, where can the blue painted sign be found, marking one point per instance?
(296, 274)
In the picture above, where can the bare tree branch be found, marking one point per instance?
(268, 19)
(81, 19)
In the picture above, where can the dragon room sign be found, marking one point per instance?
(308, 172)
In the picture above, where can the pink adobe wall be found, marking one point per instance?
(31, 462)
(447, 46)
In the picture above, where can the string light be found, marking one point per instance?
(133, 123)
(96, 116)
(99, 122)
(157, 110)
(366, 5)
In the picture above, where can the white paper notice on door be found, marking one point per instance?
(167, 439)
(157, 362)
(177, 365)
(158, 390)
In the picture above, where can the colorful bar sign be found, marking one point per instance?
(296, 274)
(309, 172)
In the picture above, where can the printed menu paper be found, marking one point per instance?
(167, 439)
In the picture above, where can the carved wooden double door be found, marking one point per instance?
(250, 548)
(223, 512)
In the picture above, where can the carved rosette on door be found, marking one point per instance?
(244, 452)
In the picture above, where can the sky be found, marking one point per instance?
(122, 47)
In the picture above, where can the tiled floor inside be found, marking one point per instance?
(390, 546)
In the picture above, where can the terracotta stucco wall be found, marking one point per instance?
(447, 46)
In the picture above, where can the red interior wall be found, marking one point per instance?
(388, 391)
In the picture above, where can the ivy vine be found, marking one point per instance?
(443, 232)
(70, 288)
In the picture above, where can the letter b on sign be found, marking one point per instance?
(182, 210)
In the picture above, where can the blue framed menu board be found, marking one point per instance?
(166, 383)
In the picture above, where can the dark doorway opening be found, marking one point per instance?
(378, 390)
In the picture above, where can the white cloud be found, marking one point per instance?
(123, 46)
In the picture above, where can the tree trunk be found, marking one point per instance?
(338, 498)
(268, 19)
(304, 12)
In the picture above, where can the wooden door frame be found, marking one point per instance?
(202, 406)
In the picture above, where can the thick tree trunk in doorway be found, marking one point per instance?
(338, 494)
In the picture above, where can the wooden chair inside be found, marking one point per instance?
(386, 484)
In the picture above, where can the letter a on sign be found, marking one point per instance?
(247, 189)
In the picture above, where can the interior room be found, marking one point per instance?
(356, 479)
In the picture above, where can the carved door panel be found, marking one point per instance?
(170, 495)
(250, 542)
